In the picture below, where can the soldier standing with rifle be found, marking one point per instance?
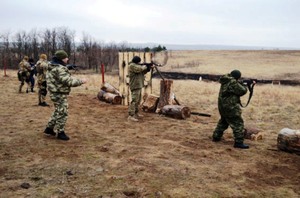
(136, 83)
(59, 82)
(229, 108)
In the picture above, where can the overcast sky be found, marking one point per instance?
(267, 23)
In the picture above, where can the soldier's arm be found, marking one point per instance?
(239, 89)
(66, 78)
(137, 68)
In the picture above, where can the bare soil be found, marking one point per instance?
(107, 156)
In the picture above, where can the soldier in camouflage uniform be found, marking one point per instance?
(59, 82)
(24, 73)
(41, 69)
(229, 108)
(136, 83)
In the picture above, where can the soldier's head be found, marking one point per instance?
(235, 74)
(61, 55)
(43, 56)
(136, 59)
(26, 58)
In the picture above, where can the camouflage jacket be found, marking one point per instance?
(41, 69)
(136, 76)
(229, 96)
(59, 79)
(24, 66)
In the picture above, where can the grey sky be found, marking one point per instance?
(267, 23)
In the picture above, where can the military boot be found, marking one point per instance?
(49, 131)
(240, 145)
(132, 118)
(62, 136)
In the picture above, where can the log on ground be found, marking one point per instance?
(110, 89)
(109, 97)
(289, 140)
(176, 111)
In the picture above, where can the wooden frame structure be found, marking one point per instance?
(124, 60)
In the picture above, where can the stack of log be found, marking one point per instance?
(165, 103)
(109, 94)
(289, 140)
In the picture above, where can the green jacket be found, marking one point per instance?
(229, 96)
(59, 79)
(136, 76)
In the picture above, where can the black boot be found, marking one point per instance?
(216, 139)
(62, 136)
(43, 104)
(240, 145)
(32, 90)
(49, 131)
(26, 90)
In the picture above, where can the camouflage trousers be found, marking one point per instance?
(136, 97)
(237, 125)
(42, 91)
(24, 79)
(60, 115)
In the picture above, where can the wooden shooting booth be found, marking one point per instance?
(124, 60)
(164, 103)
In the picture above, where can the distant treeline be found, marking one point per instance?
(88, 53)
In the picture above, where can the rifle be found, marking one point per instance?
(72, 67)
(155, 66)
(250, 84)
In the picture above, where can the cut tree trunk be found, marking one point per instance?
(176, 111)
(165, 97)
(109, 97)
(150, 103)
(289, 140)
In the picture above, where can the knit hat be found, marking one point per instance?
(236, 74)
(61, 54)
(43, 56)
(136, 59)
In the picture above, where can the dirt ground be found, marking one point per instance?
(107, 156)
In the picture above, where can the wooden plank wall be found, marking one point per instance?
(124, 60)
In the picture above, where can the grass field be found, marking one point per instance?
(109, 157)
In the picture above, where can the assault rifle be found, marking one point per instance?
(155, 66)
(72, 67)
(250, 84)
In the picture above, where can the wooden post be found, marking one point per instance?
(165, 98)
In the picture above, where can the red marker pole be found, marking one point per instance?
(102, 71)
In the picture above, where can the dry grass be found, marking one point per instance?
(158, 157)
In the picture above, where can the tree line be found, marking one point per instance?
(87, 53)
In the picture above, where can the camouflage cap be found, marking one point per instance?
(61, 54)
